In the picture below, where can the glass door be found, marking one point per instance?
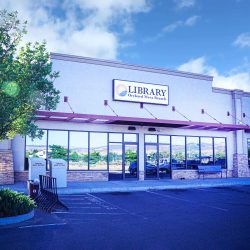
(115, 161)
(130, 161)
(151, 161)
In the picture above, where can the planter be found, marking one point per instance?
(16, 219)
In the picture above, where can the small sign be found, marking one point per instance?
(140, 92)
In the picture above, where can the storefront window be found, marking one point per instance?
(36, 148)
(248, 150)
(207, 151)
(150, 138)
(130, 137)
(220, 151)
(178, 152)
(98, 151)
(193, 152)
(164, 156)
(115, 158)
(115, 137)
(78, 151)
(58, 144)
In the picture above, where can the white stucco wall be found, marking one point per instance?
(88, 85)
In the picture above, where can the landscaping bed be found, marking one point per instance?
(15, 207)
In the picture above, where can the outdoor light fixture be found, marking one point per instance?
(65, 99)
(244, 115)
(151, 129)
(131, 128)
(141, 105)
(202, 111)
(228, 113)
(173, 108)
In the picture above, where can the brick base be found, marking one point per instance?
(6, 167)
(240, 166)
(193, 174)
(79, 176)
(72, 176)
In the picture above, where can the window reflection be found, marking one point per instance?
(58, 144)
(178, 152)
(98, 151)
(248, 150)
(151, 138)
(35, 148)
(78, 151)
(206, 151)
(220, 151)
(193, 152)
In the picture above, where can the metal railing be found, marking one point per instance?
(48, 197)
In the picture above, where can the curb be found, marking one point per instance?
(16, 219)
(145, 188)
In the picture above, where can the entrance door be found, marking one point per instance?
(130, 161)
(157, 157)
(151, 161)
(115, 161)
(123, 161)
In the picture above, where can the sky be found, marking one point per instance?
(202, 36)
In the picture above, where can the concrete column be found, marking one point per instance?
(141, 155)
(240, 163)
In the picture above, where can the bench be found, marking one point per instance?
(210, 169)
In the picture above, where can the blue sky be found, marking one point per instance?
(203, 36)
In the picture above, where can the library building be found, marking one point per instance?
(118, 121)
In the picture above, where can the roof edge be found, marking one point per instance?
(117, 64)
(230, 91)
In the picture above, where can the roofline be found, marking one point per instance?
(230, 91)
(117, 64)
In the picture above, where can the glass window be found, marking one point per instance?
(220, 151)
(98, 151)
(115, 137)
(78, 151)
(58, 144)
(115, 158)
(151, 138)
(248, 150)
(35, 148)
(151, 161)
(164, 139)
(130, 137)
(193, 152)
(206, 151)
(178, 152)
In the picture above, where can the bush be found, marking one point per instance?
(13, 203)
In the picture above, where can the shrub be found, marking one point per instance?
(13, 203)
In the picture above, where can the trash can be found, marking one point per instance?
(33, 188)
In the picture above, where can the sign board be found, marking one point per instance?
(140, 92)
(37, 166)
(58, 170)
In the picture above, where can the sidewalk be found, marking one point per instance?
(132, 186)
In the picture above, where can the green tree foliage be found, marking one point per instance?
(26, 80)
(58, 152)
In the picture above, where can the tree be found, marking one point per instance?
(58, 152)
(26, 80)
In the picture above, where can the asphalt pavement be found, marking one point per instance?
(201, 218)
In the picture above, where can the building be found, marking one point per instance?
(122, 121)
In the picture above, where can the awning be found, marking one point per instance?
(136, 121)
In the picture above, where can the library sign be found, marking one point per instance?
(129, 91)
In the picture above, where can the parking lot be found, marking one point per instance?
(214, 218)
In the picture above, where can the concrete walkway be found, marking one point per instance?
(132, 186)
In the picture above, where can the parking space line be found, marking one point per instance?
(43, 225)
(189, 201)
(59, 212)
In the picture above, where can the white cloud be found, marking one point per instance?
(184, 3)
(82, 27)
(191, 21)
(243, 40)
(238, 78)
